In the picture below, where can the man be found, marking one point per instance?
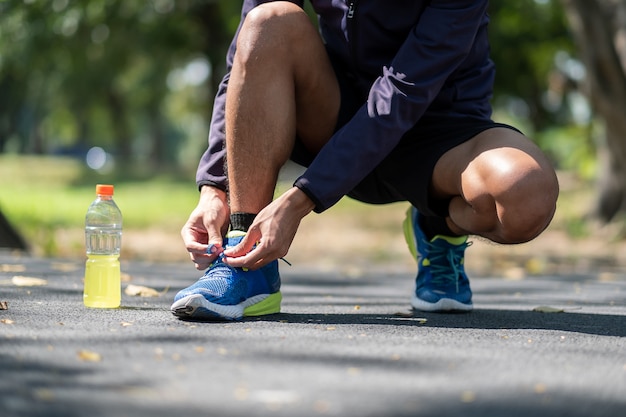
(392, 105)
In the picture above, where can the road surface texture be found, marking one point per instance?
(345, 344)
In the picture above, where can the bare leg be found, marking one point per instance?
(501, 184)
(281, 84)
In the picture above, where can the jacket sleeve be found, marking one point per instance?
(434, 49)
(211, 168)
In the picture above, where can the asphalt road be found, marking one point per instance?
(346, 344)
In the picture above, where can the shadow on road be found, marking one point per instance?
(597, 324)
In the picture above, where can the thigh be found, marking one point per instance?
(281, 36)
(351, 99)
(491, 153)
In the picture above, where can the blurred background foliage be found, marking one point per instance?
(125, 88)
(537, 80)
(133, 78)
(137, 78)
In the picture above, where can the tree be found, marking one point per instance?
(525, 37)
(599, 28)
(84, 73)
(9, 237)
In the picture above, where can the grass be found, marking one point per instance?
(38, 191)
(44, 196)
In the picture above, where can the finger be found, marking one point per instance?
(200, 263)
(214, 234)
(242, 248)
(249, 261)
(195, 247)
(201, 260)
(214, 249)
(254, 259)
(205, 254)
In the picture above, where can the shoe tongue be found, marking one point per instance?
(234, 237)
(453, 240)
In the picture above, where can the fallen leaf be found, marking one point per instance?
(514, 273)
(7, 321)
(607, 277)
(64, 266)
(354, 371)
(22, 281)
(126, 324)
(44, 394)
(468, 396)
(89, 356)
(4, 305)
(548, 309)
(12, 268)
(535, 266)
(141, 291)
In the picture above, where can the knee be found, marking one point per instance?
(526, 204)
(508, 187)
(270, 27)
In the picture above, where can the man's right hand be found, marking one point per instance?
(206, 226)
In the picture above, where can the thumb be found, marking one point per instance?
(243, 247)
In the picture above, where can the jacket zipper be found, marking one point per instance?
(351, 8)
(351, 22)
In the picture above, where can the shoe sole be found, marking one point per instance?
(443, 305)
(196, 307)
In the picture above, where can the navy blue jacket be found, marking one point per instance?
(409, 57)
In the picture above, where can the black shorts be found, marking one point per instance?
(405, 174)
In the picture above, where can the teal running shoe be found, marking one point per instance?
(441, 283)
(227, 293)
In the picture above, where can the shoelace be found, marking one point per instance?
(220, 259)
(445, 263)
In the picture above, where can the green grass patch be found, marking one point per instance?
(42, 194)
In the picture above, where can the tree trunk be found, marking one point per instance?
(158, 151)
(9, 237)
(217, 39)
(121, 129)
(599, 28)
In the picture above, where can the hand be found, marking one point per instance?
(206, 227)
(272, 231)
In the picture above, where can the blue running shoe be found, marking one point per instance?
(227, 293)
(441, 283)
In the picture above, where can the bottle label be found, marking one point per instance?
(103, 241)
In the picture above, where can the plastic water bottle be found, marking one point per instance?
(103, 238)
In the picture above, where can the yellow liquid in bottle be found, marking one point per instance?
(103, 288)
